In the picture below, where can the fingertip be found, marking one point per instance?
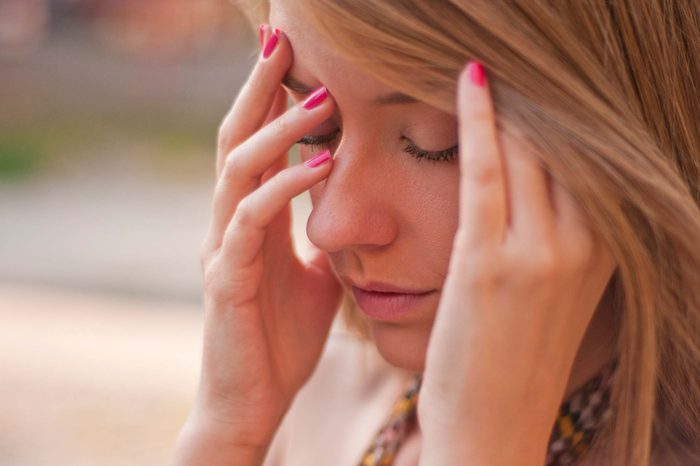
(270, 39)
(276, 48)
(472, 77)
(476, 73)
(270, 44)
(319, 159)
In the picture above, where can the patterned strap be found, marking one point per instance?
(580, 418)
(402, 418)
(573, 432)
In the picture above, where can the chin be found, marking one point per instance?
(401, 346)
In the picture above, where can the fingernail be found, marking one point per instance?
(261, 34)
(319, 159)
(271, 43)
(476, 73)
(318, 96)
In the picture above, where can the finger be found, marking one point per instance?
(574, 228)
(530, 208)
(253, 102)
(278, 108)
(280, 134)
(245, 234)
(280, 227)
(483, 209)
(588, 247)
(248, 162)
(569, 216)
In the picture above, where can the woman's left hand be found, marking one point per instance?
(525, 276)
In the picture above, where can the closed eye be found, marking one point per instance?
(318, 140)
(444, 155)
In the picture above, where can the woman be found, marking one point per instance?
(517, 238)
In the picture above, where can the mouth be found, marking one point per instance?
(388, 303)
(382, 287)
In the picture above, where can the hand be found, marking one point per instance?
(525, 276)
(267, 313)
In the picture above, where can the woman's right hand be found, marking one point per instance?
(267, 313)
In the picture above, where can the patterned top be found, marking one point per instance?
(579, 418)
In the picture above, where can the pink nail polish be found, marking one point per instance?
(271, 43)
(318, 96)
(319, 159)
(261, 34)
(476, 73)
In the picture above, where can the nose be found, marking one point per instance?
(354, 206)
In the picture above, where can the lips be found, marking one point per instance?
(385, 301)
(382, 287)
(389, 306)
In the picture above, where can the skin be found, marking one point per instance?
(361, 217)
(427, 226)
(396, 229)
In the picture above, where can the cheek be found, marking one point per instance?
(436, 221)
(424, 200)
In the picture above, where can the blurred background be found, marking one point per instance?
(109, 111)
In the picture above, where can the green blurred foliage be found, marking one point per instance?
(20, 157)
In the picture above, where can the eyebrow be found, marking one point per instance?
(393, 98)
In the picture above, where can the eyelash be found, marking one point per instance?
(446, 155)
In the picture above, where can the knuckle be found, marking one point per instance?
(223, 133)
(579, 253)
(487, 278)
(219, 288)
(231, 164)
(256, 81)
(281, 124)
(480, 113)
(484, 173)
(215, 290)
(533, 263)
(244, 216)
(541, 263)
(228, 136)
(276, 182)
(206, 252)
(481, 270)
(210, 281)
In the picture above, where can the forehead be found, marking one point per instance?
(316, 62)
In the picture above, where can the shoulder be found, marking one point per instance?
(335, 415)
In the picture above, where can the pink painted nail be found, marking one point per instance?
(476, 73)
(261, 34)
(318, 96)
(319, 159)
(271, 43)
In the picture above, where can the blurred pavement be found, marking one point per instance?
(91, 380)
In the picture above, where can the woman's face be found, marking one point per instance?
(382, 214)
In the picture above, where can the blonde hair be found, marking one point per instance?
(608, 94)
